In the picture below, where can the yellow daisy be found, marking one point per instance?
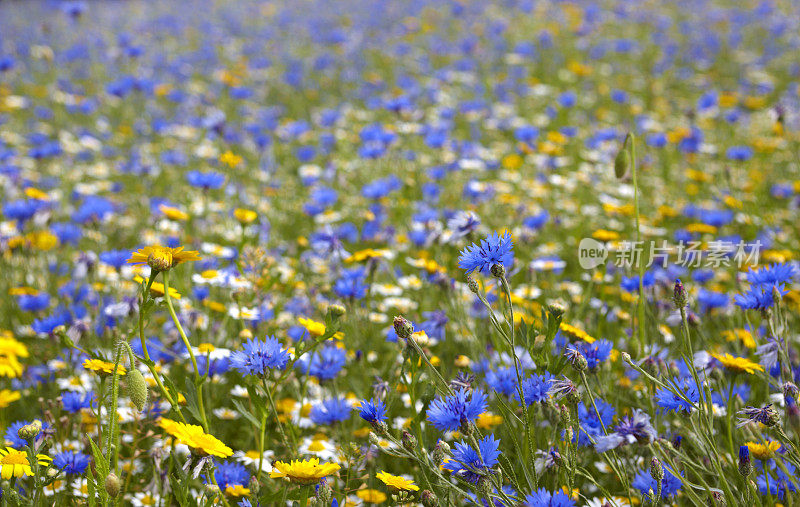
(103, 367)
(8, 397)
(738, 364)
(371, 495)
(163, 257)
(245, 216)
(14, 463)
(763, 451)
(575, 332)
(396, 482)
(194, 437)
(303, 472)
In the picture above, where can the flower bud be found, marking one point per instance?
(556, 309)
(403, 327)
(440, 452)
(679, 296)
(579, 362)
(428, 499)
(408, 440)
(472, 285)
(745, 466)
(622, 162)
(656, 470)
(112, 485)
(137, 388)
(212, 490)
(29, 431)
(563, 412)
(374, 440)
(627, 358)
(498, 270)
(337, 311)
(324, 493)
(790, 390)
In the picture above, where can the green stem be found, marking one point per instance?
(197, 378)
(640, 306)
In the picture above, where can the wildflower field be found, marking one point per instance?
(423, 252)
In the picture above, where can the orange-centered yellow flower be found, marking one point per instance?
(303, 472)
(103, 367)
(162, 257)
(194, 437)
(738, 364)
(14, 463)
(763, 451)
(397, 483)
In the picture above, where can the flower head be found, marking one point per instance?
(493, 250)
(763, 451)
(764, 415)
(103, 367)
(303, 472)
(471, 465)
(372, 411)
(162, 258)
(544, 498)
(450, 413)
(738, 364)
(331, 411)
(260, 356)
(194, 437)
(397, 483)
(71, 463)
(14, 463)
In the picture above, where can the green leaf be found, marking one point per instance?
(246, 413)
(191, 399)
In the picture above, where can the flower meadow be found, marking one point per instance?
(501, 253)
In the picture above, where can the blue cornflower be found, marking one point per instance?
(463, 223)
(589, 423)
(669, 401)
(372, 411)
(435, 324)
(325, 364)
(537, 221)
(448, 414)
(536, 388)
(503, 380)
(644, 482)
(709, 299)
(71, 463)
(636, 428)
(467, 464)
(46, 325)
(230, 474)
(74, 402)
(330, 411)
(205, 180)
(740, 153)
(33, 302)
(115, 258)
(776, 274)
(544, 498)
(493, 250)
(759, 297)
(351, 284)
(260, 356)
